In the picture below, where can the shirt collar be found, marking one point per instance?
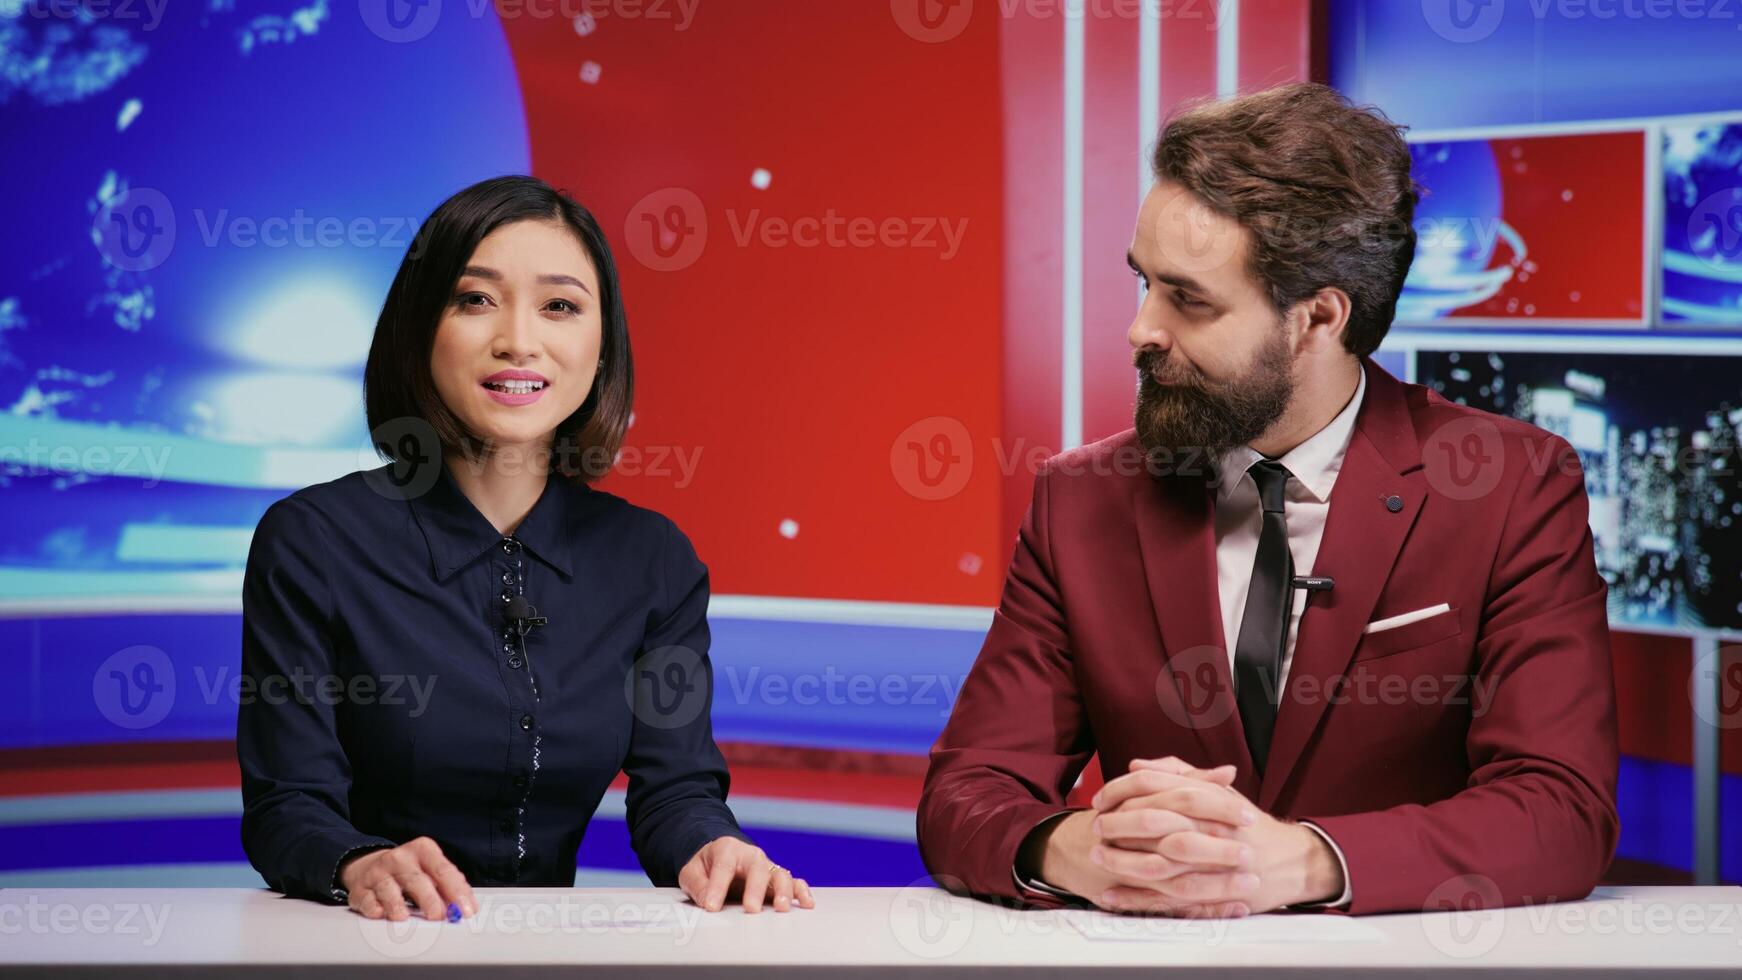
(457, 533)
(1315, 462)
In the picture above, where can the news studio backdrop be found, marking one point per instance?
(216, 198)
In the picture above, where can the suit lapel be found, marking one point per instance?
(1176, 533)
(1362, 538)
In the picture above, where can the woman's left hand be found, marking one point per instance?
(714, 876)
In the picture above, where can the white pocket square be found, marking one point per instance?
(1393, 622)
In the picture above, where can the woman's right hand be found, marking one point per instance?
(388, 882)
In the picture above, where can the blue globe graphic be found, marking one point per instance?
(215, 205)
(1458, 224)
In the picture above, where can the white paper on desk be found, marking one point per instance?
(1108, 928)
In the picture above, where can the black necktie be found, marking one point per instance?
(1264, 627)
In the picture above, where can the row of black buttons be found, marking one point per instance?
(512, 647)
(515, 660)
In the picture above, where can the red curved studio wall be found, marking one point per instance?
(784, 369)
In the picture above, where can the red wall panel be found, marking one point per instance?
(1275, 43)
(1653, 706)
(1113, 160)
(1032, 73)
(793, 370)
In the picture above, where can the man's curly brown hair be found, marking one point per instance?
(1323, 186)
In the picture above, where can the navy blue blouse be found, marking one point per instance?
(387, 694)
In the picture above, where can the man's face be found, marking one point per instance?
(1214, 359)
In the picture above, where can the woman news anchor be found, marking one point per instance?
(447, 660)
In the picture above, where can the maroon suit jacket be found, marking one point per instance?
(1468, 757)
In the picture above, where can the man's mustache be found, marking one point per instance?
(1155, 369)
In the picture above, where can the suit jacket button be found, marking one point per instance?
(1394, 503)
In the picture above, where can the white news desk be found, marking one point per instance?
(916, 931)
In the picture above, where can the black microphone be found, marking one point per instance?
(524, 615)
(1314, 583)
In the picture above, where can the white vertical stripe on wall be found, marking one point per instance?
(1148, 98)
(1071, 409)
(1148, 90)
(1228, 49)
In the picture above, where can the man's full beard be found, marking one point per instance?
(1195, 413)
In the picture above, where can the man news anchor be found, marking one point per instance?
(1339, 643)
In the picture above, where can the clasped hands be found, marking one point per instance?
(1170, 839)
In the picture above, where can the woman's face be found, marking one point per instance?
(518, 343)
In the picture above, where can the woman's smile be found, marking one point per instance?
(515, 387)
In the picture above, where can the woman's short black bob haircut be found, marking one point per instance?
(397, 383)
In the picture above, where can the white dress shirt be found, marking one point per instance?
(1313, 467)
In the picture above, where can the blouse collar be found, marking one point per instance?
(457, 533)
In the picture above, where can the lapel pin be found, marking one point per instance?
(1394, 503)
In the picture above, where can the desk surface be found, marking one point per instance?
(915, 931)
